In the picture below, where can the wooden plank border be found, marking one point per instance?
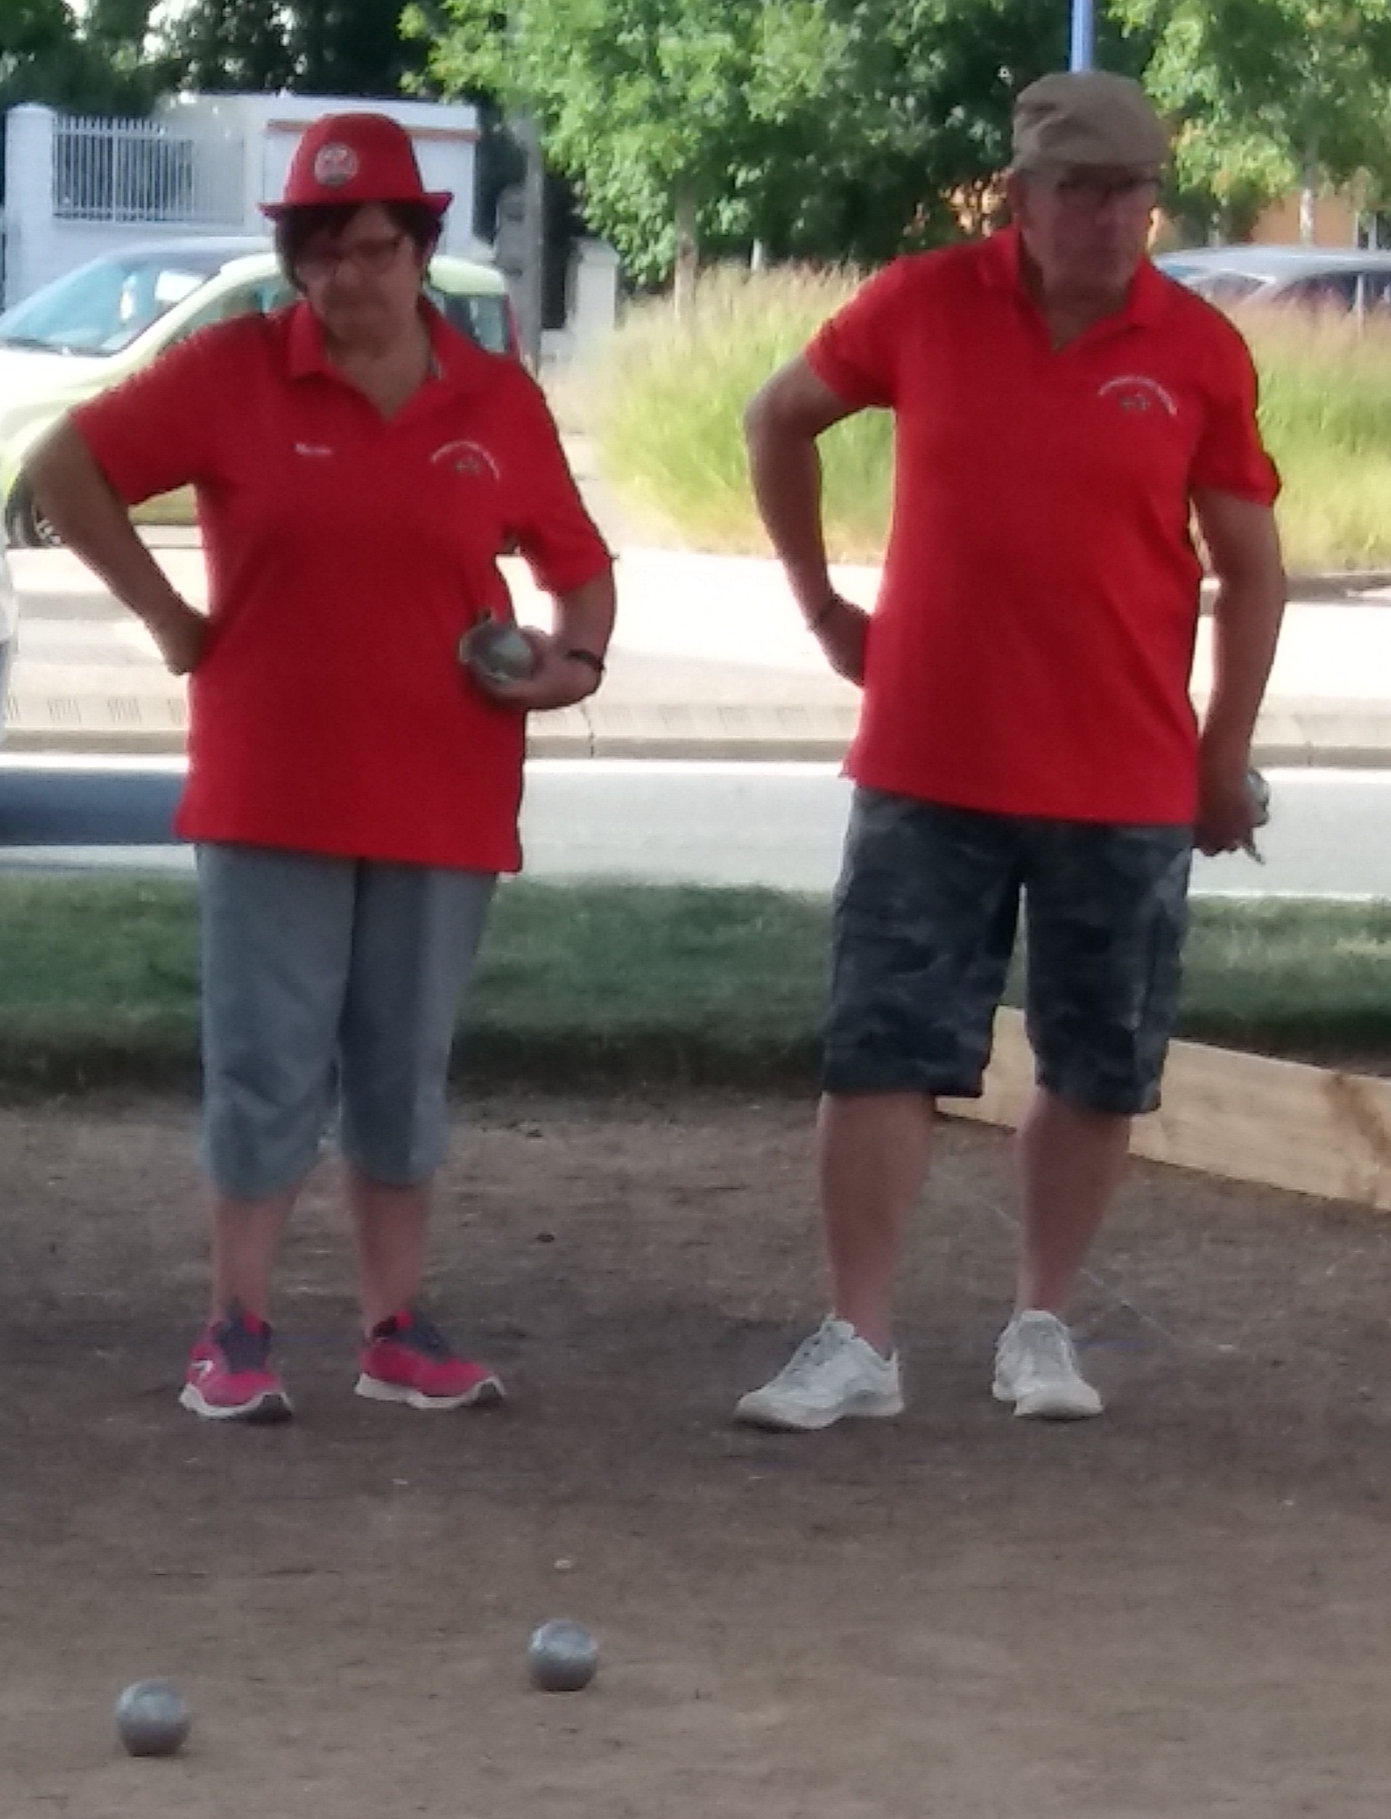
(1308, 1130)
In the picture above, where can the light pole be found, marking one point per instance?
(1083, 33)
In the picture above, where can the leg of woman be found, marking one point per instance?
(246, 1238)
(389, 1226)
(416, 938)
(276, 935)
(276, 938)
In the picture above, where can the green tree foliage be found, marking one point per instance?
(319, 47)
(1271, 95)
(352, 47)
(913, 125)
(93, 61)
(817, 127)
(229, 46)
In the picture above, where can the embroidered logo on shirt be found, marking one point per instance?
(1137, 392)
(469, 458)
(312, 448)
(335, 164)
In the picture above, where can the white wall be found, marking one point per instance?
(261, 131)
(445, 137)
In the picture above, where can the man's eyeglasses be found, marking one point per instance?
(370, 257)
(1087, 191)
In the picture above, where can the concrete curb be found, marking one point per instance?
(1345, 587)
(1337, 584)
(1312, 734)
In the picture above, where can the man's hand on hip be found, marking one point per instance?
(181, 633)
(841, 629)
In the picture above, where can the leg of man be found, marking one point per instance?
(873, 1155)
(1106, 918)
(416, 939)
(924, 925)
(1071, 1161)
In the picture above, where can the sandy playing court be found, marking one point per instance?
(1181, 1610)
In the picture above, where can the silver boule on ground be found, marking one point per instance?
(152, 1719)
(561, 1657)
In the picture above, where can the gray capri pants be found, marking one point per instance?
(329, 979)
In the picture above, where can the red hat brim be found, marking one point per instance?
(437, 199)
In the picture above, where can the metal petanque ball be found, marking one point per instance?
(495, 650)
(152, 1719)
(1258, 789)
(561, 1657)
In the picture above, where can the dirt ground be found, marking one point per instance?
(1179, 1610)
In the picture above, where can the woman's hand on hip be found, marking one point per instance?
(560, 678)
(180, 632)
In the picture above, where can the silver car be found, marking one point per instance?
(1357, 281)
(9, 629)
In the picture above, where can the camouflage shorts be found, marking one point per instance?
(926, 913)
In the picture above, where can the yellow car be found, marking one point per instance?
(108, 319)
(8, 621)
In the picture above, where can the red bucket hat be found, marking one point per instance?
(355, 158)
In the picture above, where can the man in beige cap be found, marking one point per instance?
(1062, 410)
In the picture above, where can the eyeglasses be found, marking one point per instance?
(1085, 192)
(370, 257)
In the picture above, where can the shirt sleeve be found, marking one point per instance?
(552, 529)
(1230, 456)
(856, 351)
(154, 431)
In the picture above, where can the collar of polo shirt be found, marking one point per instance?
(450, 355)
(1002, 269)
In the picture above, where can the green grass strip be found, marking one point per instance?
(604, 986)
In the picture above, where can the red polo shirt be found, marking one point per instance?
(346, 555)
(1032, 643)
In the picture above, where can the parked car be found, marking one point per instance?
(108, 319)
(1321, 277)
(9, 628)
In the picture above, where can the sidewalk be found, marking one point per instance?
(710, 661)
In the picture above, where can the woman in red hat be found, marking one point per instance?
(353, 788)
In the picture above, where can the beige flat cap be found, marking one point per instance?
(1087, 117)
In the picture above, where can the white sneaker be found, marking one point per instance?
(832, 1374)
(1036, 1370)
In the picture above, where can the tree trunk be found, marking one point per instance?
(530, 283)
(687, 251)
(1308, 196)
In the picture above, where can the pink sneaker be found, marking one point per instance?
(408, 1359)
(229, 1376)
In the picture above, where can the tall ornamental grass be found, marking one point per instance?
(1326, 414)
(667, 413)
(667, 408)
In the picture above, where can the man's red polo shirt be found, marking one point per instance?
(1032, 643)
(346, 555)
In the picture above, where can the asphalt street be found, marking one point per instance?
(771, 824)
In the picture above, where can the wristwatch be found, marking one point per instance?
(588, 659)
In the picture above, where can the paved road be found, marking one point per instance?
(710, 661)
(777, 825)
